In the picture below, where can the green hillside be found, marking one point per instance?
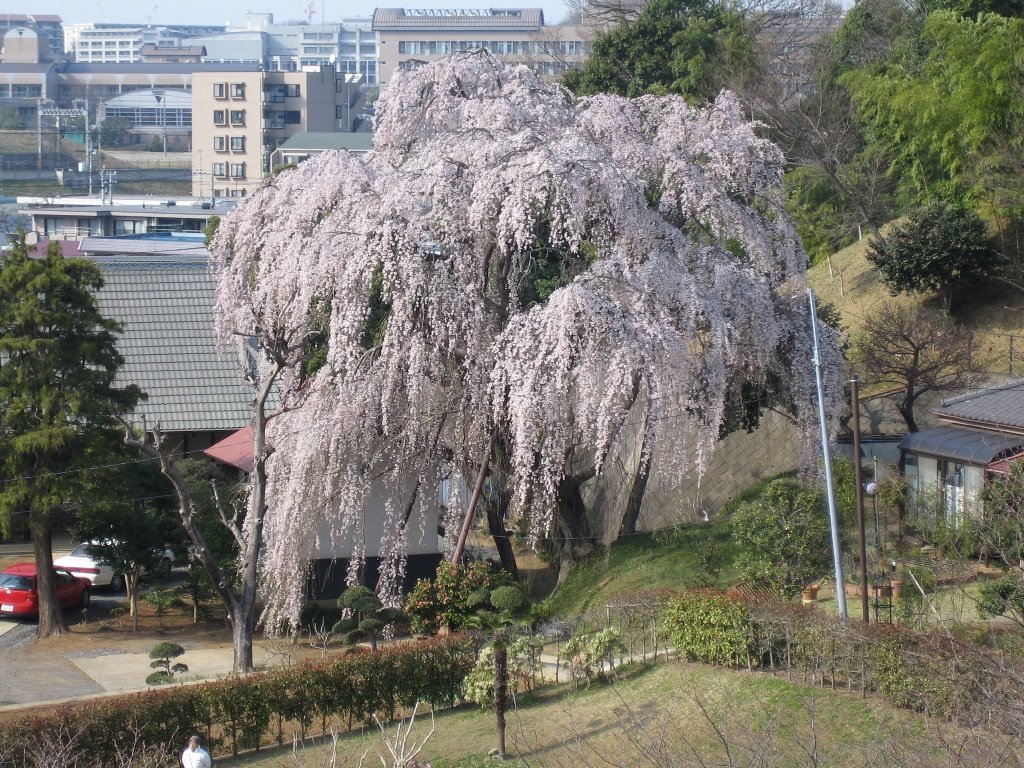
(848, 281)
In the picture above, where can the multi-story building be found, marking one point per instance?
(121, 43)
(49, 28)
(350, 46)
(409, 38)
(239, 117)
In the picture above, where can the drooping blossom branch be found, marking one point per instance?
(676, 271)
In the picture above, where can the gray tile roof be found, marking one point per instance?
(971, 446)
(166, 310)
(503, 19)
(1000, 408)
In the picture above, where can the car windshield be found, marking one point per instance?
(82, 550)
(15, 581)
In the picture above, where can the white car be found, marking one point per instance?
(82, 563)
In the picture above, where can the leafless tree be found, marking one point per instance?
(918, 350)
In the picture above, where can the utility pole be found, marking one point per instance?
(858, 482)
(837, 554)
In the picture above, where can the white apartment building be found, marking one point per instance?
(350, 46)
(122, 43)
(409, 38)
(240, 117)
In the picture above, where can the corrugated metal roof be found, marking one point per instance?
(998, 407)
(166, 310)
(155, 246)
(503, 19)
(971, 446)
(317, 141)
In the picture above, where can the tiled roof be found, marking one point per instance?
(504, 19)
(166, 310)
(995, 408)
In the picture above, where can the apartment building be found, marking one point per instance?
(350, 46)
(49, 28)
(409, 38)
(91, 43)
(240, 117)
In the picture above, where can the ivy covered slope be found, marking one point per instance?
(683, 277)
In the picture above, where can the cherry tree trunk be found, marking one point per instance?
(51, 616)
(572, 530)
(496, 509)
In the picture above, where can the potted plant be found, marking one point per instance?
(897, 585)
(809, 593)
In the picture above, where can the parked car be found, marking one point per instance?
(19, 596)
(83, 563)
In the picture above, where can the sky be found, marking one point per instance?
(233, 11)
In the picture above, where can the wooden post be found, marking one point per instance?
(858, 481)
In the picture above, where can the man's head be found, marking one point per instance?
(193, 743)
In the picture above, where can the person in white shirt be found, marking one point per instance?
(194, 755)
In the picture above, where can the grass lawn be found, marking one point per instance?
(669, 559)
(664, 714)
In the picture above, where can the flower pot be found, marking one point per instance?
(810, 594)
(897, 588)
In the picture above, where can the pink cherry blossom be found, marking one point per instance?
(685, 274)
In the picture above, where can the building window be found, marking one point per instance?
(238, 117)
(220, 117)
(238, 193)
(220, 90)
(238, 90)
(129, 227)
(220, 169)
(220, 143)
(238, 170)
(238, 143)
(292, 91)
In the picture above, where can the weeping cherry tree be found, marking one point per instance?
(510, 267)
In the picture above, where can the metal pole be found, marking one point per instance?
(858, 481)
(837, 554)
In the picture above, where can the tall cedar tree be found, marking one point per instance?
(58, 402)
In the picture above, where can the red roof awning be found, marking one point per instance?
(235, 449)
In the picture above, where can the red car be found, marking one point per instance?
(18, 595)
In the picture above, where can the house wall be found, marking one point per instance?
(935, 487)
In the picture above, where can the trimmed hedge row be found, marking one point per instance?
(926, 672)
(253, 711)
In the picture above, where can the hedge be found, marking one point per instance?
(927, 672)
(253, 711)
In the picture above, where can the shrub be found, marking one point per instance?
(785, 531)
(942, 248)
(445, 600)
(163, 653)
(589, 652)
(708, 627)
